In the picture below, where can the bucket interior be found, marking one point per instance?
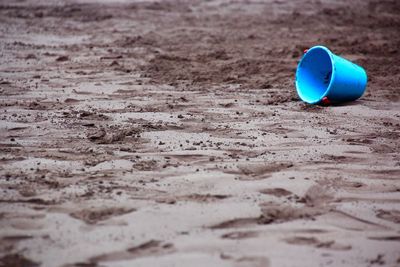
(314, 75)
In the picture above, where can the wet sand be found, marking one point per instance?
(169, 134)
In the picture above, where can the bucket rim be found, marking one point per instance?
(330, 54)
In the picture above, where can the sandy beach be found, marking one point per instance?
(169, 133)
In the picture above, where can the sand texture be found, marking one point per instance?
(143, 133)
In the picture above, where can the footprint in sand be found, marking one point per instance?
(256, 171)
(146, 249)
(389, 215)
(314, 242)
(240, 235)
(93, 216)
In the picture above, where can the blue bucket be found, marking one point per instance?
(323, 77)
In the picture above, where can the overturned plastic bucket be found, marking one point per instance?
(323, 78)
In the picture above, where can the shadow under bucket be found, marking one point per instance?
(323, 77)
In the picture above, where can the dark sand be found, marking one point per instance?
(169, 134)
